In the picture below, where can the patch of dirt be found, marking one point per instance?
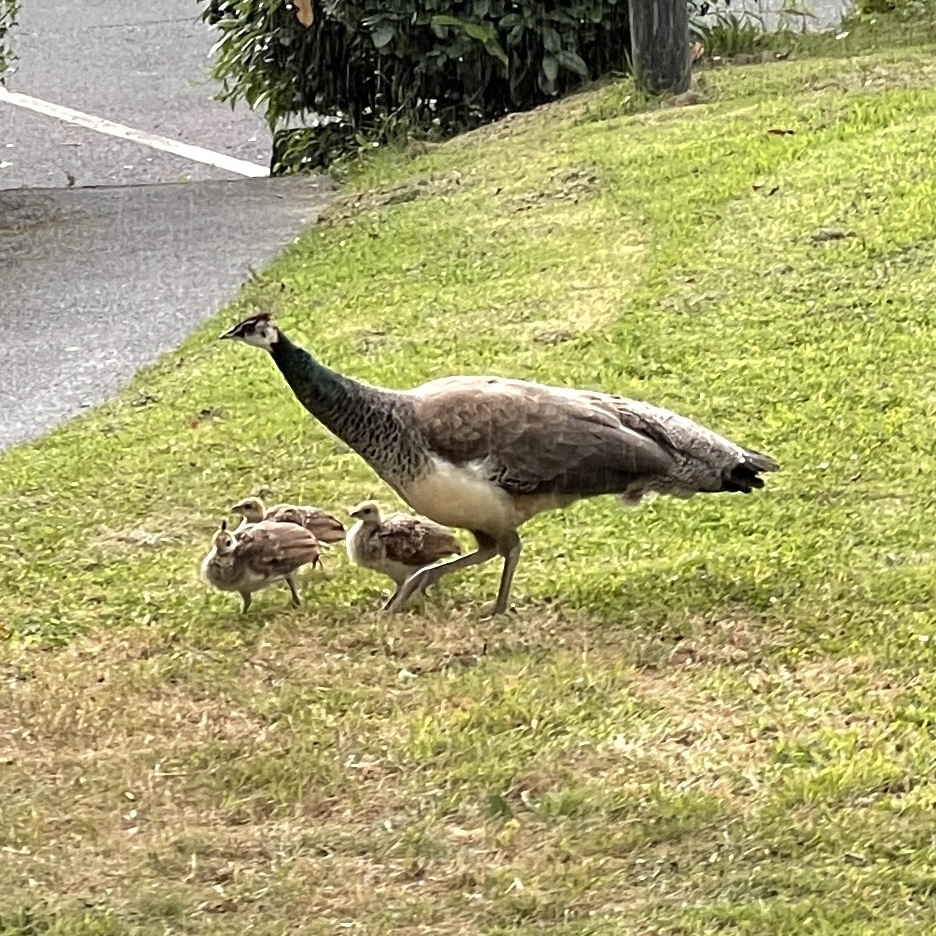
(553, 336)
(570, 183)
(154, 533)
(349, 206)
(559, 112)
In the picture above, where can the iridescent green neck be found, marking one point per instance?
(323, 392)
(375, 423)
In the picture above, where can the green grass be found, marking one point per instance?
(707, 717)
(871, 25)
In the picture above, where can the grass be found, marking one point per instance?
(707, 717)
(729, 34)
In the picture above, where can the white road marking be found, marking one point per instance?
(153, 140)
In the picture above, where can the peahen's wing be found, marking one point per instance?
(531, 438)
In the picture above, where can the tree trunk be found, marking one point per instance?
(660, 45)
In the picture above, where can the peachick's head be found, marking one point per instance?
(250, 508)
(257, 330)
(224, 542)
(367, 512)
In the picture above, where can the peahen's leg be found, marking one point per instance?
(423, 578)
(510, 549)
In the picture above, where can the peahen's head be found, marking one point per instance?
(256, 330)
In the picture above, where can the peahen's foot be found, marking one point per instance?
(496, 610)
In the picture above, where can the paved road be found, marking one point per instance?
(140, 64)
(97, 281)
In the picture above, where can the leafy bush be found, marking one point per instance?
(8, 11)
(371, 69)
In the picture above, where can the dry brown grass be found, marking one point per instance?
(290, 773)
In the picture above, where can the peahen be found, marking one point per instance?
(486, 454)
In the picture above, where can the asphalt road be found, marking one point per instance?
(98, 282)
(99, 279)
(140, 64)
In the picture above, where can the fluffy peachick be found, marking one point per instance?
(326, 528)
(257, 555)
(397, 545)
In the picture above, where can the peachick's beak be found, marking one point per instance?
(229, 333)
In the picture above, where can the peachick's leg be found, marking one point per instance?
(291, 582)
(246, 597)
(423, 578)
(510, 549)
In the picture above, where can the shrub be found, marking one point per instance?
(8, 11)
(371, 69)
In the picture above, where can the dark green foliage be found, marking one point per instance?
(368, 71)
(403, 66)
(8, 11)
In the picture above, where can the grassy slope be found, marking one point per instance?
(707, 716)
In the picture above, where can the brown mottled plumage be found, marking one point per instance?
(487, 453)
(325, 527)
(257, 555)
(397, 545)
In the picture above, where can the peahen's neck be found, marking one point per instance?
(369, 420)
